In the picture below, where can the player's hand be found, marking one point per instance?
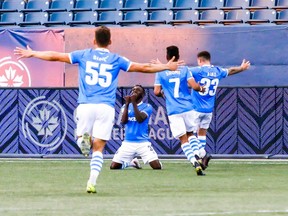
(23, 53)
(127, 99)
(202, 88)
(245, 64)
(156, 61)
(174, 65)
(133, 98)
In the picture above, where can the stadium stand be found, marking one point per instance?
(84, 18)
(134, 18)
(236, 17)
(85, 5)
(185, 17)
(185, 5)
(262, 16)
(210, 17)
(59, 18)
(260, 4)
(159, 5)
(134, 5)
(12, 6)
(281, 4)
(35, 19)
(282, 17)
(235, 5)
(11, 19)
(109, 5)
(109, 17)
(60, 5)
(36, 6)
(159, 17)
(210, 4)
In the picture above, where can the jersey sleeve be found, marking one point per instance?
(124, 63)
(224, 72)
(157, 79)
(147, 110)
(76, 56)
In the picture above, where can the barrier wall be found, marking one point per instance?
(245, 121)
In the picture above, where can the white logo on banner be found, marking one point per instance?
(13, 73)
(41, 117)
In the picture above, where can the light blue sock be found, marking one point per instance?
(188, 152)
(194, 143)
(202, 145)
(95, 166)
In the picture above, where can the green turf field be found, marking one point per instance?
(57, 188)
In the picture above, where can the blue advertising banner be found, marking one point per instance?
(245, 121)
(30, 72)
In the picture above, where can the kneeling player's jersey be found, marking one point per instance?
(209, 76)
(135, 131)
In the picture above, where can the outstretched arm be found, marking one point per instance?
(153, 68)
(234, 70)
(44, 55)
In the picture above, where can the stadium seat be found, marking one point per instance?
(34, 19)
(282, 18)
(134, 18)
(12, 6)
(109, 5)
(84, 18)
(59, 18)
(159, 17)
(131, 5)
(185, 17)
(85, 5)
(236, 17)
(36, 6)
(235, 5)
(210, 4)
(185, 5)
(159, 5)
(210, 17)
(109, 17)
(11, 18)
(261, 4)
(60, 5)
(262, 16)
(281, 4)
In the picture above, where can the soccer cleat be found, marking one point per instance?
(198, 169)
(91, 188)
(205, 160)
(85, 144)
(199, 160)
(136, 164)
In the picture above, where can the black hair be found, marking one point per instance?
(205, 55)
(103, 36)
(172, 51)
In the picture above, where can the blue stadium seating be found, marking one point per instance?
(185, 5)
(109, 17)
(60, 5)
(36, 6)
(210, 17)
(85, 5)
(281, 4)
(108, 5)
(59, 18)
(11, 18)
(134, 18)
(159, 5)
(159, 17)
(282, 18)
(34, 19)
(235, 5)
(236, 17)
(12, 6)
(261, 4)
(84, 18)
(185, 17)
(262, 16)
(210, 4)
(131, 5)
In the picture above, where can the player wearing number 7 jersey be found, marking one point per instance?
(98, 77)
(209, 76)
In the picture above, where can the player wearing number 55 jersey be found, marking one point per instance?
(98, 77)
(209, 76)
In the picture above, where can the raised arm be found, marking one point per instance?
(234, 70)
(44, 55)
(124, 117)
(153, 68)
(140, 116)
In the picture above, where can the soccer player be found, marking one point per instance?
(209, 76)
(174, 85)
(135, 115)
(98, 77)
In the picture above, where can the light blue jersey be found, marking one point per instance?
(135, 131)
(209, 76)
(98, 75)
(177, 93)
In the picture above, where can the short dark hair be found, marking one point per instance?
(172, 51)
(138, 85)
(205, 55)
(102, 36)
